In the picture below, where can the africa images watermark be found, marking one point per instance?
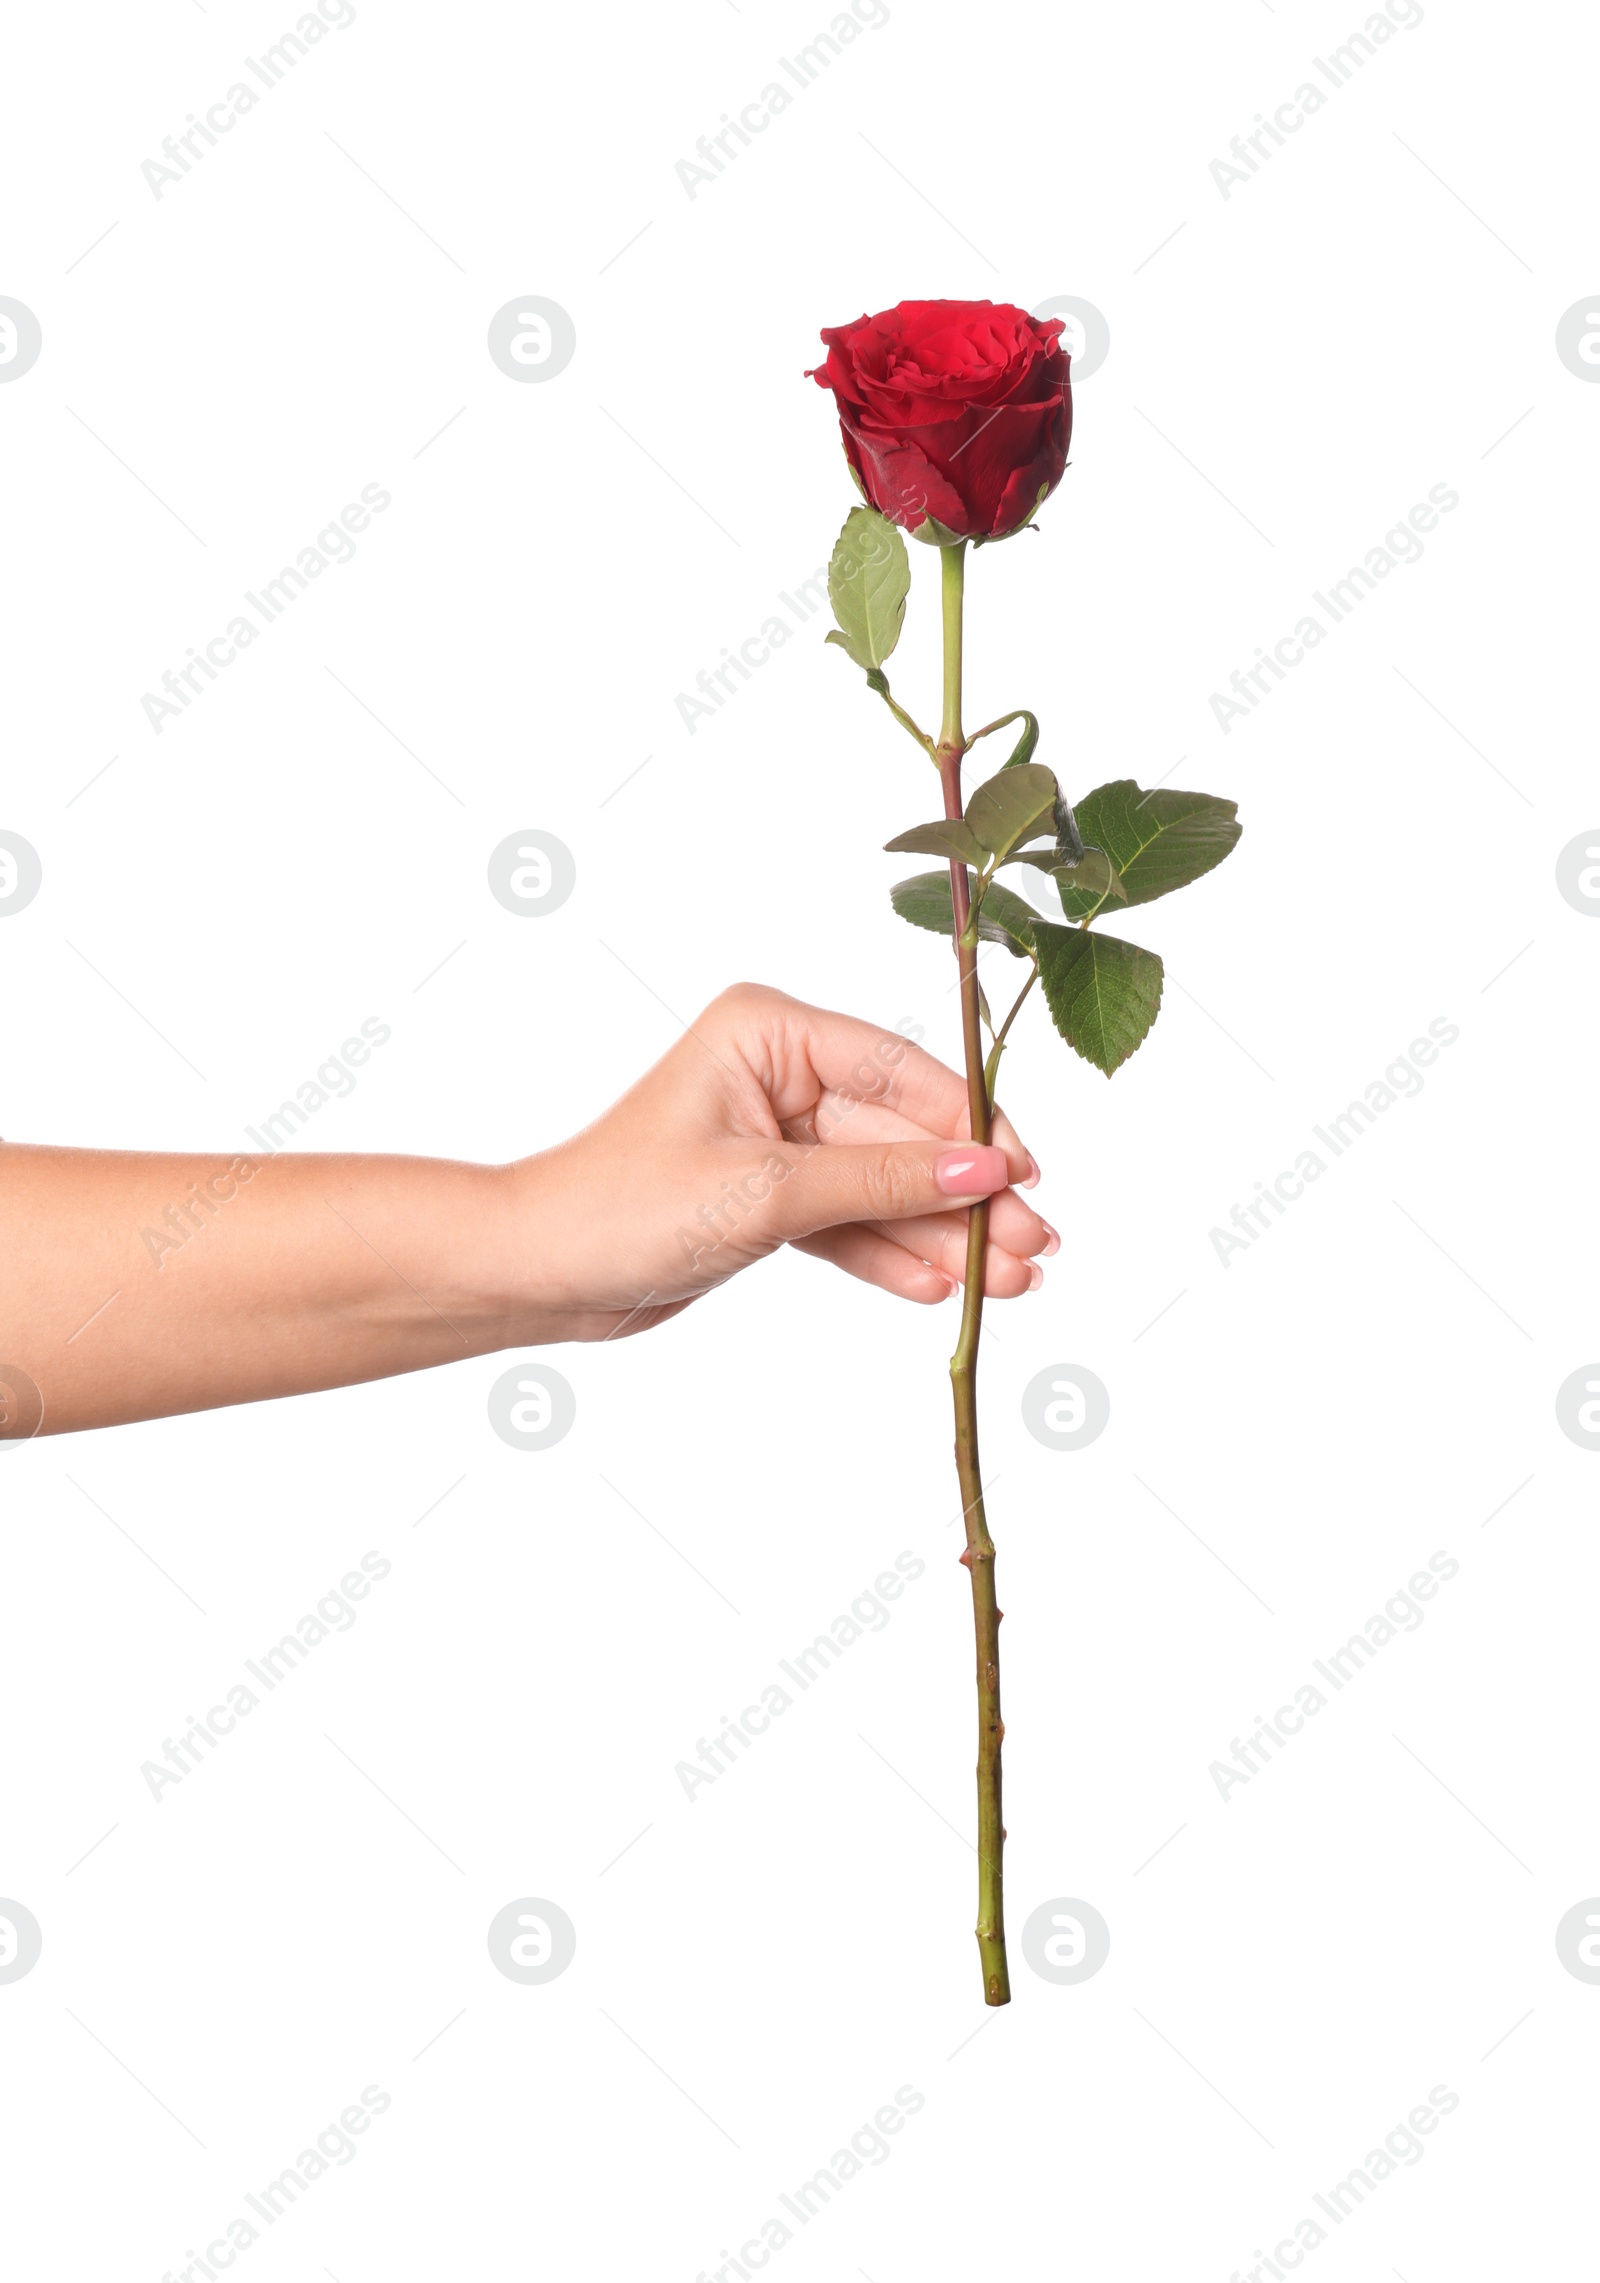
(1253, 150)
(1402, 1080)
(335, 1077)
(717, 1223)
(1401, 544)
(867, 1613)
(722, 146)
(1402, 2144)
(182, 152)
(192, 1214)
(716, 684)
(869, 2144)
(334, 1613)
(334, 543)
(335, 2145)
(1401, 1613)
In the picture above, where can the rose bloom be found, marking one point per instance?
(958, 411)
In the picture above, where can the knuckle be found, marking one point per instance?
(738, 998)
(728, 1006)
(893, 1188)
(743, 1007)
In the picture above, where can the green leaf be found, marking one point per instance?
(1069, 847)
(1005, 917)
(1002, 917)
(869, 578)
(1087, 887)
(1025, 743)
(945, 836)
(1012, 807)
(1094, 872)
(933, 533)
(1084, 886)
(1069, 840)
(1103, 994)
(1159, 840)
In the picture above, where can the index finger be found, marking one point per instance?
(813, 1050)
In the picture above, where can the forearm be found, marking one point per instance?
(137, 1285)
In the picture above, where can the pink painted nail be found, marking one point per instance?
(1031, 1180)
(972, 1172)
(1035, 1276)
(1054, 1235)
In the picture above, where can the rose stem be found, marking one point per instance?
(979, 1555)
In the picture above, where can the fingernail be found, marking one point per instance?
(1054, 1235)
(972, 1172)
(1035, 1276)
(1031, 1179)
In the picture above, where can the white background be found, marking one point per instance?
(1371, 314)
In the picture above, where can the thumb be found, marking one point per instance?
(828, 1184)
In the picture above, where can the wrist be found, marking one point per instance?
(443, 1256)
(507, 1286)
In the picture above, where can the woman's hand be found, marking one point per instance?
(136, 1285)
(770, 1123)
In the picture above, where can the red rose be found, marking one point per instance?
(954, 411)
